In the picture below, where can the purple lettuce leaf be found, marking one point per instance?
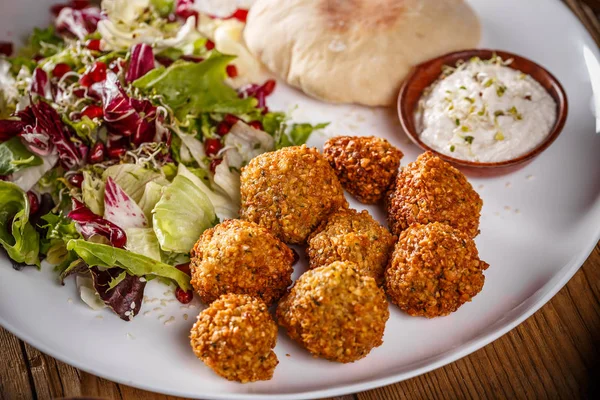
(142, 62)
(10, 128)
(90, 224)
(78, 23)
(120, 208)
(40, 84)
(125, 299)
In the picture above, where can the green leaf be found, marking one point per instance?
(143, 241)
(19, 62)
(181, 215)
(18, 237)
(273, 122)
(86, 128)
(133, 179)
(192, 88)
(42, 42)
(100, 255)
(151, 196)
(297, 134)
(92, 191)
(59, 230)
(14, 156)
(163, 7)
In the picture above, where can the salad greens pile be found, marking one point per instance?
(123, 130)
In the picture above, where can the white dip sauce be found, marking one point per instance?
(484, 111)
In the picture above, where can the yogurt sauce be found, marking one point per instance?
(484, 111)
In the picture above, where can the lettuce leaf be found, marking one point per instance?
(151, 196)
(191, 88)
(59, 230)
(14, 156)
(18, 237)
(181, 215)
(100, 255)
(143, 241)
(119, 290)
(92, 190)
(44, 42)
(133, 178)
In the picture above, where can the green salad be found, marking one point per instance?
(123, 130)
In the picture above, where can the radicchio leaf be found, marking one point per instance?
(78, 23)
(125, 299)
(142, 62)
(40, 84)
(185, 10)
(120, 208)
(90, 224)
(125, 116)
(10, 128)
(49, 131)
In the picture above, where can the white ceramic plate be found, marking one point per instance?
(539, 225)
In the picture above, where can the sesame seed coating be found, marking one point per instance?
(335, 312)
(431, 190)
(235, 336)
(434, 270)
(240, 257)
(366, 166)
(289, 192)
(348, 235)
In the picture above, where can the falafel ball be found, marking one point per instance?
(335, 312)
(289, 192)
(366, 166)
(434, 270)
(235, 336)
(431, 190)
(240, 257)
(349, 235)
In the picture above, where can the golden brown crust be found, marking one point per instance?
(235, 336)
(348, 235)
(434, 270)
(240, 257)
(366, 166)
(431, 190)
(335, 312)
(289, 192)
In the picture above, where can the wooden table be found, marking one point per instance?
(554, 354)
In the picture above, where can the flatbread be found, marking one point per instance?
(356, 51)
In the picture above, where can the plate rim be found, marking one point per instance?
(567, 271)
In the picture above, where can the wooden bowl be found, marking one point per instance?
(427, 73)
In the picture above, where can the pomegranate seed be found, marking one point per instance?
(209, 45)
(93, 111)
(268, 87)
(34, 203)
(60, 70)
(6, 48)
(214, 164)
(97, 153)
(240, 15)
(93, 44)
(79, 93)
(230, 119)
(256, 125)
(183, 296)
(232, 71)
(185, 268)
(223, 128)
(76, 180)
(98, 72)
(86, 80)
(116, 152)
(212, 146)
(296, 256)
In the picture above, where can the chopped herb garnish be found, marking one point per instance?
(465, 129)
(500, 91)
(452, 148)
(469, 139)
(457, 121)
(498, 113)
(499, 136)
(449, 91)
(513, 111)
(463, 88)
(489, 82)
(482, 112)
(470, 100)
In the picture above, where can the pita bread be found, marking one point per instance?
(356, 51)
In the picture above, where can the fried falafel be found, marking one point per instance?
(235, 336)
(289, 192)
(335, 312)
(434, 270)
(240, 257)
(348, 235)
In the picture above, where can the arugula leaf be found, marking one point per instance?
(14, 156)
(42, 42)
(59, 230)
(295, 134)
(193, 88)
(19, 62)
(18, 237)
(100, 255)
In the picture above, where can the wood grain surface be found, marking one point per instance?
(554, 354)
